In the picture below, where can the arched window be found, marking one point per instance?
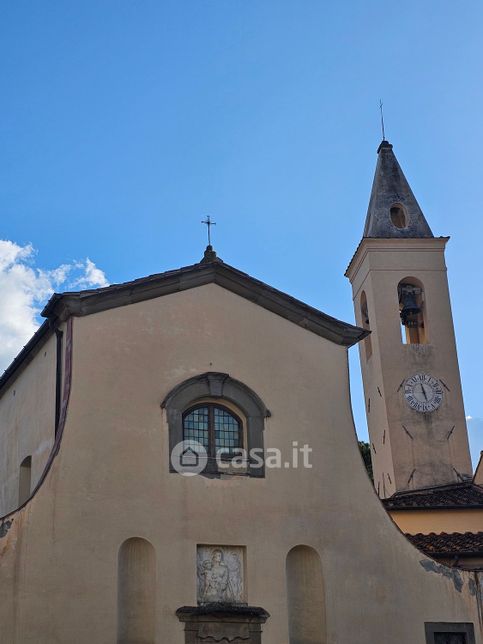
(217, 428)
(412, 311)
(25, 480)
(220, 413)
(365, 325)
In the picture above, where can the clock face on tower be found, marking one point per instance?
(423, 392)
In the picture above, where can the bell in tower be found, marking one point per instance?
(410, 311)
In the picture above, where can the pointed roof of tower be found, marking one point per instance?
(393, 210)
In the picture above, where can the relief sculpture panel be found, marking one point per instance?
(220, 571)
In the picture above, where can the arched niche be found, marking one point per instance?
(136, 592)
(24, 480)
(305, 597)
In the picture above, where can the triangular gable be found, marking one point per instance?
(63, 305)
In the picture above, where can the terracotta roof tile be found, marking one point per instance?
(456, 495)
(454, 543)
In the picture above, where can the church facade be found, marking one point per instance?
(179, 464)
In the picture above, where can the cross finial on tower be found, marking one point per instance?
(208, 224)
(381, 105)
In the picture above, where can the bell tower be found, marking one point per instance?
(414, 402)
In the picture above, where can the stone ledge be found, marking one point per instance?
(220, 610)
(233, 623)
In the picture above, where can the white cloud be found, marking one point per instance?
(24, 289)
(92, 276)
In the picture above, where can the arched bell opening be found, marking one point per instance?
(412, 311)
(366, 325)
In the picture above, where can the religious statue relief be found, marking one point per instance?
(220, 575)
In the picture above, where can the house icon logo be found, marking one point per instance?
(189, 458)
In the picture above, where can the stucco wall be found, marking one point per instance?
(27, 423)
(426, 521)
(110, 481)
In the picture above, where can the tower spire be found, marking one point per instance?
(393, 209)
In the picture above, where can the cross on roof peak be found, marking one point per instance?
(208, 223)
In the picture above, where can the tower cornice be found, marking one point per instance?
(392, 245)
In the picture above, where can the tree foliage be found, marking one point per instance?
(365, 450)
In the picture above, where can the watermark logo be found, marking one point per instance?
(189, 458)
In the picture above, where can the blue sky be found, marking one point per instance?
(123, 123)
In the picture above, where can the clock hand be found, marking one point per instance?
(424, 392)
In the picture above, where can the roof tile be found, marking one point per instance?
(454, 543)
(456, 495)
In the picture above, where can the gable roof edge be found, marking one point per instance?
(96, 300)
(63, 305)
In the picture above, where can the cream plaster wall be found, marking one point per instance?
(435, 450)
(426, 521)
(110, 481)
(27, 423)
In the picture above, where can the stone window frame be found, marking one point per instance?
(218, 387)
(465, 628)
